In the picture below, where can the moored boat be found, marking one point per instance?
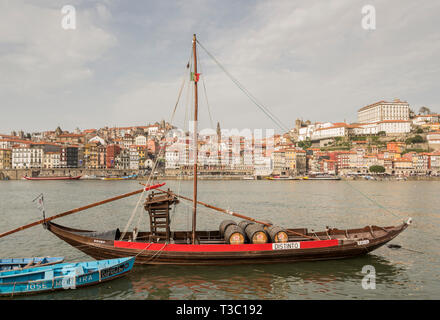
(63, 276)
(8, 264)
(282, 178)
(321, 177)
(52, 178)
(130, 177)
(212, 249)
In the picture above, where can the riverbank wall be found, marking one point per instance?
(18, 174)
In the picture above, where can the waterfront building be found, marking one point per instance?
(112, 151)
(52, 159)
(420, 163)
(328, 167)
(371, 160)
(102, 156)
(91, 155)
(5, 159)
(122, 160)
(295, 161)
(134, 157)
(25, 157)
(403, 166)
(434, 163)
(81, 161)
(279, 162)
(69, 157)
(383, 111)
(262, 166)
(346, 160)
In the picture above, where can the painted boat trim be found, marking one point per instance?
(112, 268)
(225, 247)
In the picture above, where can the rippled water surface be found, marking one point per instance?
(411, 272)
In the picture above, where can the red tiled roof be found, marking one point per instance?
(380, 102)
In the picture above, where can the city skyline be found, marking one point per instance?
(123, 64)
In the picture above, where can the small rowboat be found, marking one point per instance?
(63, 276)
(51, 178)
(25, 263)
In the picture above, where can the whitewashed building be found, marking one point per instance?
(394, 126)
(383, 110)
(140, 140)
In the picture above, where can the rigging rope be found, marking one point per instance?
(372, 200)
(206, 95)
(263, 108)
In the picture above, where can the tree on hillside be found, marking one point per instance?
(305, 144)
(424, 110)
(415, 139)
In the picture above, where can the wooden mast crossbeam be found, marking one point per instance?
(79, 209)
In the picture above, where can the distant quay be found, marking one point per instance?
(18, 174)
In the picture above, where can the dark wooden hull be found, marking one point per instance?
(334, 244)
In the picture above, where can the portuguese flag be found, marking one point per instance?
(195, 76)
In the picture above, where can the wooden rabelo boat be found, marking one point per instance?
(211, 248)
(250, 241)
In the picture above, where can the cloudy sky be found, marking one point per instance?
(124, 62)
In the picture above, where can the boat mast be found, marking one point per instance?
(195, 142)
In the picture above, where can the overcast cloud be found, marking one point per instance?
(123, 64)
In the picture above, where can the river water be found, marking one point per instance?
(411, 272)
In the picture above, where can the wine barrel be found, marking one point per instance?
(277, 234)
(244, 224)
(224, 225)
(256, 233)
(234, 234)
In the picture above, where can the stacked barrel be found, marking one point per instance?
(231, 232)
(250, 232)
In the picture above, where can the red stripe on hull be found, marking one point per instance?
(319, 244)
(217, 247)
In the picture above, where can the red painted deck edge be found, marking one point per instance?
(216, 247)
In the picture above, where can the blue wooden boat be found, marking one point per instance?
(25, 263)
(62, 276)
